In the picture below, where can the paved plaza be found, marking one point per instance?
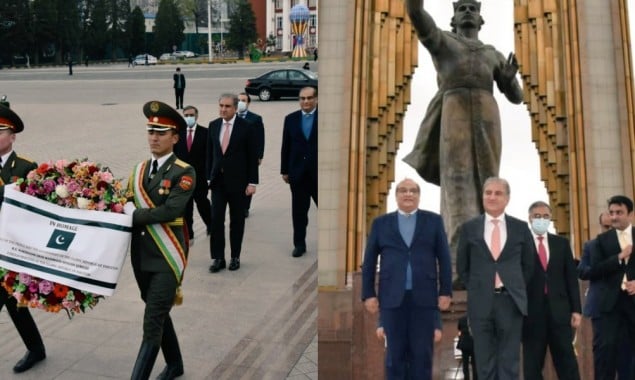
(256, 323)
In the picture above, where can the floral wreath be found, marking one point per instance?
(80, 184)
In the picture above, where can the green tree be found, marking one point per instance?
(119, 12)
(168, 27)
(136, 32)
(68, 29)
(96, 32)
(242, 28)
(44, 24)
(16, 38)
(198, 10)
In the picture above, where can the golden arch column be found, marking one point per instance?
(364, 91)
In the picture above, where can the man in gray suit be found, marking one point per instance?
(495, 258)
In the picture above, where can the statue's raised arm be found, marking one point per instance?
(421, 20)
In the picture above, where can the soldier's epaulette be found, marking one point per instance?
(181, 163)
(25, 159)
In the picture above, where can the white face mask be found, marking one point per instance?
(190, 120)
(242, 106)
(540, 225)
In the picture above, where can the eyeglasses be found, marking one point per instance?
(411, 190)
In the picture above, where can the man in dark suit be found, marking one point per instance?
(298, 163)
(179, 87)
(232, 167)
(244, 100)
(13, 167)
(495, 258)
(192, 148)
(412, 245)
(613, 263)
(553, 301)
(161, 187)
(591, 308)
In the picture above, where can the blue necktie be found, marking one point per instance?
(307, 124)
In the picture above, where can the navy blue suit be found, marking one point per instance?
(299, 161)
(408, 316)
(617, 308)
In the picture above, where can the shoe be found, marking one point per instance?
(246, 213)
(217, 265)
(298, 251)
(234, 264)
(29, 359)
(171, 372)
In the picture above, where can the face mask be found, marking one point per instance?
(242, 106)
(190, 120)
(540, 225)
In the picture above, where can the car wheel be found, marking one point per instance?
(264, 94)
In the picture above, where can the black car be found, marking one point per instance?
(280, 83)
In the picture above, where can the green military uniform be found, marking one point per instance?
(160, 201)
(11, 169)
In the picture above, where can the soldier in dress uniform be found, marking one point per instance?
(13, 167)
(160, 188)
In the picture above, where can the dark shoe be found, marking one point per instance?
(145, 361)
(171, 372)
(298, 251)
(217, 265)
(29, 359)
(234, 264)
(246, 213)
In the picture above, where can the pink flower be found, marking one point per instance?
(46, 287)
(33, 287)
(117, 207)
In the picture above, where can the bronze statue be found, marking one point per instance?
(458, 145)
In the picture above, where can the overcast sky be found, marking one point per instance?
(519, 161)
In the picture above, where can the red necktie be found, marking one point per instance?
(189, 138)
(542, 255)
(495, 246)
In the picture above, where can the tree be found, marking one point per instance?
(16, 38)
(168, 27)
(96, 32)
(119, 12)
(67, 29)
(136, 32)
(44, 24)
(242, 28)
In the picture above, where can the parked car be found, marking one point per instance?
(280, 83)
(184, 54)
(167, 57)
(141, 59)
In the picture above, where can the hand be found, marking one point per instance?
(129, 208)
(372, 305)
(285, 178)
(626, 252)
(630, 287)
(250, 190)
(576, 319)
(438, 335)
(444, 302)
(381, 335)
(509, 69)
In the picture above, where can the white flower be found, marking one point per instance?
(82, 203)
(61, 191)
